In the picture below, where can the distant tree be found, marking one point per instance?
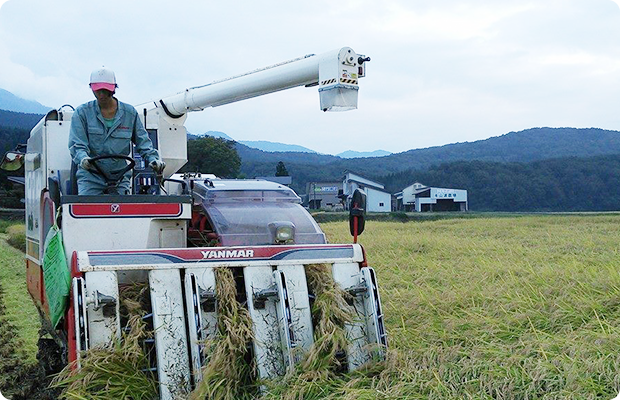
(213, 156)
(281, 169)
(10, 137)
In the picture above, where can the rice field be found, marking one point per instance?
(500, 308)
(523, 307)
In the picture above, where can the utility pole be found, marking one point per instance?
(314, 194)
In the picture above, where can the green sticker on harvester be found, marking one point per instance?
(56, 275)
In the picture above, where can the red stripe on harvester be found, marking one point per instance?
(125, 209)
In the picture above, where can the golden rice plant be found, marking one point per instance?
(227, 375)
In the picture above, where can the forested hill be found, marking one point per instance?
(15, 128)
(563, 184)
(558, 169)
(10, 119)
(11, 137)
(528, 145)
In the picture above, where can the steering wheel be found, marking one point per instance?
(113, 178)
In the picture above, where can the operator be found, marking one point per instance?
(106, 126)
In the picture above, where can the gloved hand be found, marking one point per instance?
(87, 164)
(158, 166)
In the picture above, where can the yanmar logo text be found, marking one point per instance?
(227, 253)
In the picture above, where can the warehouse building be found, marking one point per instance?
(421, 198)
(377, 199)
(323, 195)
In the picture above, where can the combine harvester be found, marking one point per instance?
(174, 239)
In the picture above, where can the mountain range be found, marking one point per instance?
(276, 147)
(542, 169)
(10, 102)
(524, 146)
(363, 154)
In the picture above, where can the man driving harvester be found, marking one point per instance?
(107, 127)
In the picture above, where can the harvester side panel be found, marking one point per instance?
(260, 291)
(35, 180)
(200, 297)
(293, 291)
(103, 311)
(170, 338)
(348, 275)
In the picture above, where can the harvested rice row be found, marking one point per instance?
(118, 371)
(227, 374)
(319, 375)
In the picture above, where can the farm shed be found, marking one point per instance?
(377, 199)
(323, 195)
(418, 197)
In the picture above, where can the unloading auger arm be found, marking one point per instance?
(336, 73)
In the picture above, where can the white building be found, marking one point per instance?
(418, 197)
(377, 199)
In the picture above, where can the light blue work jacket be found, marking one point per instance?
(89, 137)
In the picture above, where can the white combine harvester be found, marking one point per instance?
(175, 239)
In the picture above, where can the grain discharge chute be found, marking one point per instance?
(174, 239)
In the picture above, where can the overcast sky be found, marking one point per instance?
(442, 71)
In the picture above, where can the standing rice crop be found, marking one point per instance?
(523, 307)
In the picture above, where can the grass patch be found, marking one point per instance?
(20, 311)
(9, 219)
(17, 236)
(18, 375)
(5, 223)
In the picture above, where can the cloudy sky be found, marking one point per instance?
(442, 71)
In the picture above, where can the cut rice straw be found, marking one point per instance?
(227, 374)
(319, 375)
(116, 371)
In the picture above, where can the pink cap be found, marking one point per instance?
(102, 85)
